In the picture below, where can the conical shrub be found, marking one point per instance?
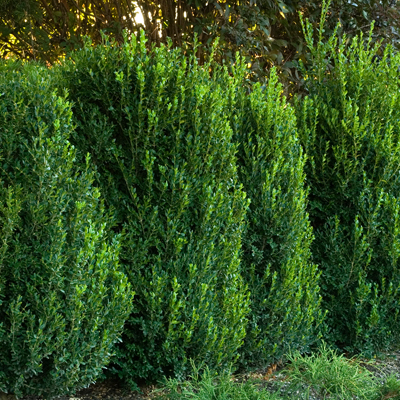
(276, 258)
(156, 126)
(350, 126)
(63, 300)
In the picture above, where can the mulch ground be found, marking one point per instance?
(106, 390)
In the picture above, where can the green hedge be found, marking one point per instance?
(349, 126)
(63, 301)
(156, 126)
(284, 283)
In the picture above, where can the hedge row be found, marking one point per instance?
(169, 180)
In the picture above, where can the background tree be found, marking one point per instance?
(266, 32)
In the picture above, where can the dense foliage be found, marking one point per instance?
(162, 144)
(283, 282)
(63, 300)
(214, 188)
(350, 128)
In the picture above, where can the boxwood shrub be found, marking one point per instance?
(349, 127)
(276, 258)
(63, 300)
(157, 129)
